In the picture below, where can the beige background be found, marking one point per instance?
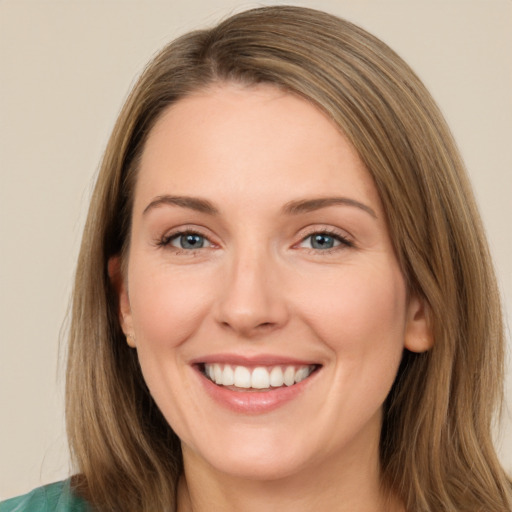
(65, 68)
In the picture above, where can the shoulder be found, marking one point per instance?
(57, 497)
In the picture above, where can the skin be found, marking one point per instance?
(259, 286)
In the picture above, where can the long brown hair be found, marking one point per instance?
(436, 447)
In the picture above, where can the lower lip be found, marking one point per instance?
(255, 402)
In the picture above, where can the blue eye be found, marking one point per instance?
(189, 241)
(324, 241)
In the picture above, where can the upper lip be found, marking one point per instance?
(252, 360)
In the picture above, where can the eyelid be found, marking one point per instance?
(345, 239)
(327, 229)
(165, 240)
(178, 236)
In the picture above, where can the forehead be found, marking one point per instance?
(259, 140)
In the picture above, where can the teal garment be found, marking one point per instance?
(57, 497)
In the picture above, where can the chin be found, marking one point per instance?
(265, 467)
(260, 457)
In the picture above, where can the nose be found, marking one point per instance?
(252, 301)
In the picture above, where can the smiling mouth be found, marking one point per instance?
(243, 378)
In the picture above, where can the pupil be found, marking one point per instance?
(191, 241)
(323, 242)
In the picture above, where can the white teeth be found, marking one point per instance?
(217, 373)
(276, 377)
(228, 376)
(289, 376)
(301, 374)
(260, 377)
(242, 377)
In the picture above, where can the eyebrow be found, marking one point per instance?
(193, 203)
(311, 205)
(291, 208)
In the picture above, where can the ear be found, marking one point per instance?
(118, 281)
(418, 329)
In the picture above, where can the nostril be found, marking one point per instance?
(247, 328)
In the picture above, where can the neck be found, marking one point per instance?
(342, 485)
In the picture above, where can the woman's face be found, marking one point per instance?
(259, 257)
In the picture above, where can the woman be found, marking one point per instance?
(284, 297)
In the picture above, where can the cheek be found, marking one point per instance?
(362, 322)
(167, 310)
(360, 311)
(166, 306)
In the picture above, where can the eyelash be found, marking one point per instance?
(344, 242)
(166, 240)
